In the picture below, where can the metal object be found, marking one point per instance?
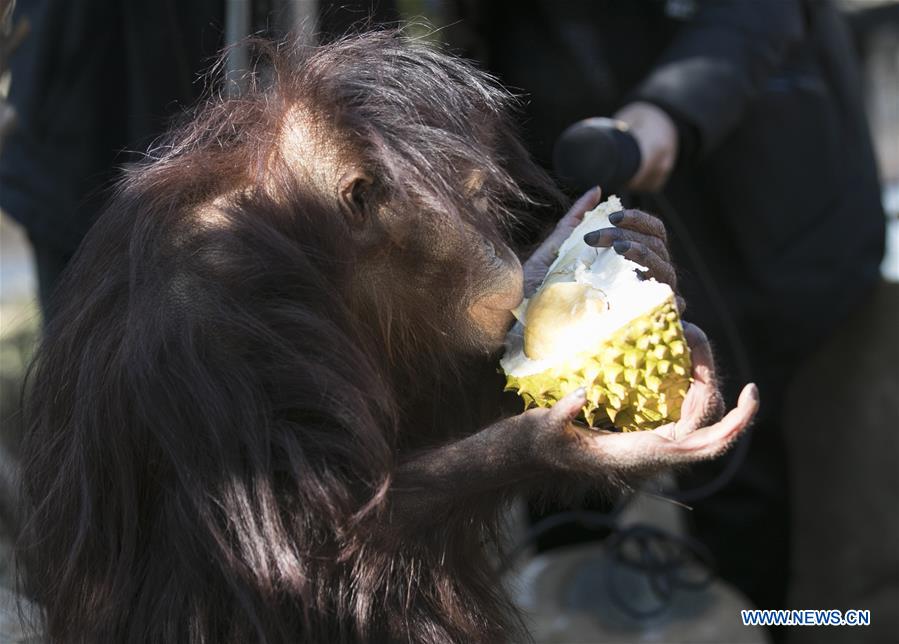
(296, 19)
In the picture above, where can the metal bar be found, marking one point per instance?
(238, 15)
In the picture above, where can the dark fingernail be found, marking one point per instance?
(621, 247)
(602, 237)
(616, 217)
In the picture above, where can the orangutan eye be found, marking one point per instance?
(493, 255)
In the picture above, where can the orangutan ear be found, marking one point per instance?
(355, 197)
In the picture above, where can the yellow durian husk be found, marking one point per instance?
(636, 379)
(594, 324)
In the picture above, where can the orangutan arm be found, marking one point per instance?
(539, 443)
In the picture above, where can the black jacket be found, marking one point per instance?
(94, 82)
(777, 185)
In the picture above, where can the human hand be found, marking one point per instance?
(657, 138)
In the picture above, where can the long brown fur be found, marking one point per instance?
(233, 374)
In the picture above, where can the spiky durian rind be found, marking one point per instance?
(636, 379)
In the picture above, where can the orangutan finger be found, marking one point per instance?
(709, 442)
(658, 267)
(567, 409)
(700, 353)
(640, 222)
(606, 237)
(585, 203)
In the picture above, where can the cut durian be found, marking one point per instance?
(595, 323)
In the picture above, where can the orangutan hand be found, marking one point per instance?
(533, 447)
(657, 138)
(541, 259)
(641, 238)
(695, 437)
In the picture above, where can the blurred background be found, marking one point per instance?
(844, 483)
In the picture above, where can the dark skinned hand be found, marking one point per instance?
(641, 238)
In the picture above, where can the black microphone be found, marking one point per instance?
(596, 152)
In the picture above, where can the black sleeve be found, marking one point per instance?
(719, 61)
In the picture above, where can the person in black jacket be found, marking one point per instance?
(93, 83)
(750, 123)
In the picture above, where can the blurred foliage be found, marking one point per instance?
(19, 327)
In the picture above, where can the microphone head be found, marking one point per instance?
(596, 152)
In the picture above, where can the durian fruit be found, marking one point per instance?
(595, 323)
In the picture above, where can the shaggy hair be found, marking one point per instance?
(231, 377)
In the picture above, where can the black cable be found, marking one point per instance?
(664, 558)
